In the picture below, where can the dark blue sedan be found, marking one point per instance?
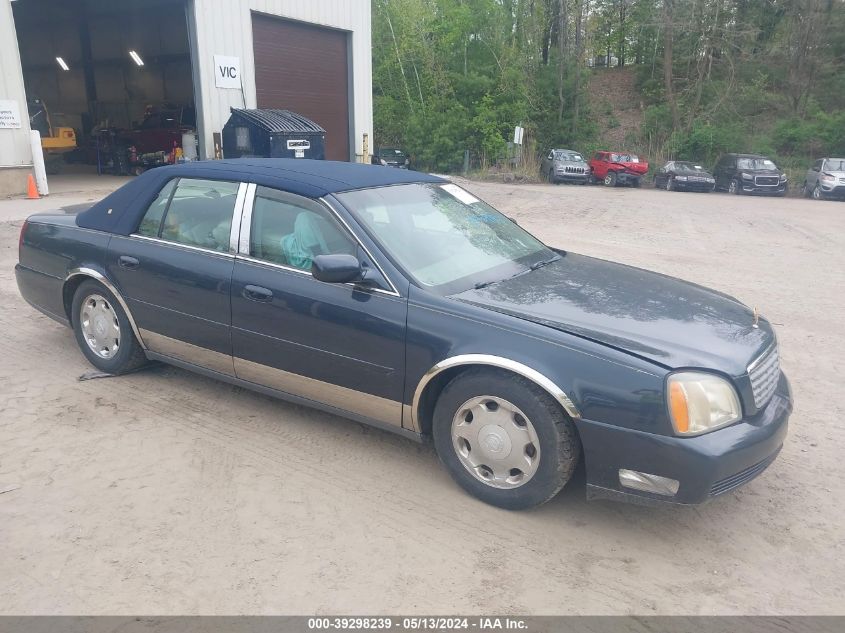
(398, 299)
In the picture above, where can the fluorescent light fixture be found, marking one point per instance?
(136, 58)
(62, 63)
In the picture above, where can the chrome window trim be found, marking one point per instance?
(189, 247)
(492, 361)
(245, 224)
(98, 276)
(235, 228)
(291, 269)
(246, 230)
(331, 206)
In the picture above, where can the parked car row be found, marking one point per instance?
(735, 173)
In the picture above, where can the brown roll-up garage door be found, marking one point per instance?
(304, 68)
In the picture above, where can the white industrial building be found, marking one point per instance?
(109, 64)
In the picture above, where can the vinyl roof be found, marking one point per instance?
(121, 211)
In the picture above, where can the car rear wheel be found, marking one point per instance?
(610, 179)
(503, 439)
(103, 331)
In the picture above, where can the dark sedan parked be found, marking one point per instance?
(401, 300)
(679, 175)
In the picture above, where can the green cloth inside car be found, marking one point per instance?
(306, 242)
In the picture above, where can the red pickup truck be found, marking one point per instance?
(618, 168)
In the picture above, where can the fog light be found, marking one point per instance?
(648, 483)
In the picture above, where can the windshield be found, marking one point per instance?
(755, 163)
(835, 164)
(624, 158)
(444, 237)
(564, 155)
(391, 153)
(688, 167)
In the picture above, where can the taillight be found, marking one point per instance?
(20, 238)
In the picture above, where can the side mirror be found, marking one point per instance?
(336, 269)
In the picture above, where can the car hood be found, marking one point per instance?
(637, 168)
(571, 163)
(663, 319)
(692, 172)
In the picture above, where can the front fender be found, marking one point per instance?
(588, 379)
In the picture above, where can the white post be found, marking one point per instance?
(38, 163)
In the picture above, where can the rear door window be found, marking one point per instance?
(198, 213)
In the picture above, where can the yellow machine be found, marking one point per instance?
(55, 141)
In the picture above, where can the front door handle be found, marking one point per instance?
(257, 293)
(128, 262)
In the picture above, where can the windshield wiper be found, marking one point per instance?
(484, 284)
(543, 262)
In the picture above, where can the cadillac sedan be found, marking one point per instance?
(398, 299)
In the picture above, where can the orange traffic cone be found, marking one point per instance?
(31, 189)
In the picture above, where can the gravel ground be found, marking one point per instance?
(164, 492)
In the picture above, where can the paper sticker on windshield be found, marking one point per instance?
(464, 196)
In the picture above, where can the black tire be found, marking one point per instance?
(559, 445)
(551, 177)
(670, 184)
(736, 185)
(817, 193)
(129, 355)
(610, 179)
(805, 193)
(636, 183)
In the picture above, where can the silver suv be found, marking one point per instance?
(565, 165)
(825, 179)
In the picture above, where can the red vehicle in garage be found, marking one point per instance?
(618, 168)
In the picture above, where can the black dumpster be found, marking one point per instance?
(270, 133)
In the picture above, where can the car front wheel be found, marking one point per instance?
(610, 179)
(503, 439)
(735, 187)
(103, 331)
(670, 184)
(817, 193)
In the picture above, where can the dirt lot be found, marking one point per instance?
(164, 492)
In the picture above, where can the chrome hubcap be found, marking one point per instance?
(732, 187)
(495, 442)
(100, 326)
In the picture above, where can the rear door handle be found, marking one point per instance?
(128, 262)
(257, 293)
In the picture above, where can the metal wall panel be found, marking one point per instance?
(14, 143)
(225, 28)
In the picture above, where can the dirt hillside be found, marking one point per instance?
(617, 104)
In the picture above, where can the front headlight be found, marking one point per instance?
(680, 177)
(747, 176)
(711, 180)
(700, 402)
(783, 177)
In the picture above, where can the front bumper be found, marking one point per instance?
(706, 465)
(695, 185)
(832, 191)
(563, 176)
(774, 190)
(625, 178)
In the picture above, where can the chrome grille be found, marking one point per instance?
(764, 374)
(574, 170)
